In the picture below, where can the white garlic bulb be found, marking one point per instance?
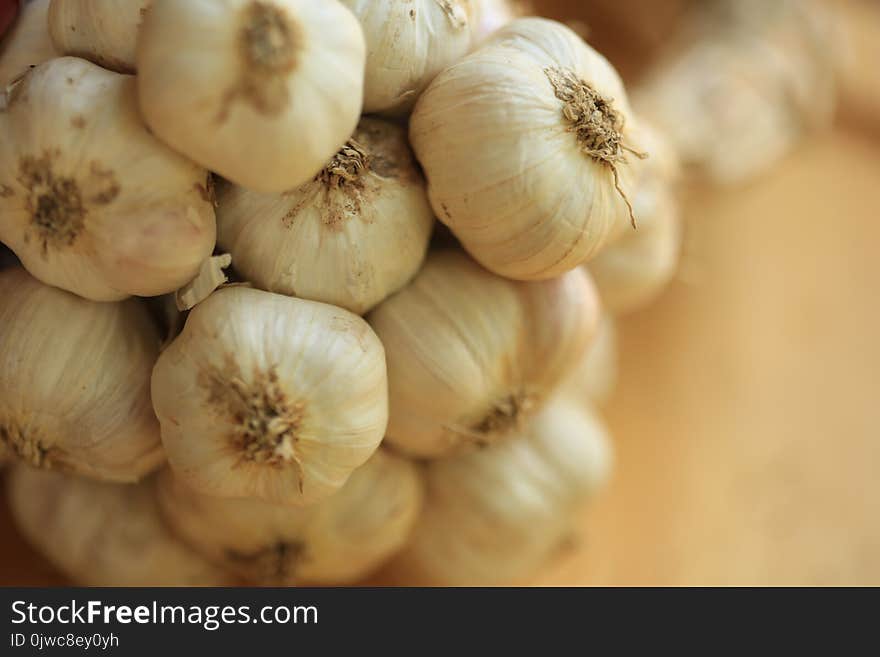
(101, 534)
(471, 355)
(27, 44)
(742, 82)
(75, 381)
(336, 541)
(89, 200)
(266, 396)
(350, 237)
(102, 31)
(496, 515)
(492, 15)
(408, 43)
(263, 92)
(527, 152)
(596, 377)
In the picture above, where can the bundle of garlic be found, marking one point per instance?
(472, 355)
(338, 540)
(350, 237)
(27, 45)
(102, 31)
(263, 93)
(74, 381)
(742, 83)
(527, 149)
(90, 201)
(408, 43)
(496, 515)
(270, 397)
(101, 534)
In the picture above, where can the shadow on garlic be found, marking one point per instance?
(74, 381)
(338, 540)
(408, 43)
(263, 93)
(27, 44)
(101, 534)
(526, 148)
(102, 31)
(472, 355)
(350, 237)
(89, 200)
(271, 397)
(496, 515)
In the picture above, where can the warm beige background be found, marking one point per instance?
(747, 421)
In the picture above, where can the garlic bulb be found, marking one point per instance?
(350, 237)
(492, 15)
(526, 149)
(408, 43)
(101, 534)
(89, 200)
(742, 83)
(632, 272)
(74, 381)
(263, 92)
(266, 396)
(335, 541)
(27, 45)
(102, 31)
(471, 355)
(596, 377)
(496, 515)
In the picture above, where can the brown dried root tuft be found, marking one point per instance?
(595, 121)
(347, 166)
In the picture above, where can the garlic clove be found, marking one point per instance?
(408, 44)
(496, 515)
(26, 45)
(338, 540)
(352, 236)
(74, 381)
(101, 534)
(266, 396)
(263, 93)
(472, 355)
(102, 31)
(89, 200)
(525, 146)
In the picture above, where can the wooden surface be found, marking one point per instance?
(747, 422)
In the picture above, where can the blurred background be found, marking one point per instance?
(747, 414)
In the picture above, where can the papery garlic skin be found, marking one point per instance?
(496, 515)
(408, 43)
(102, 31)
(471, 355)
(74, 381)
(27, 44)
(101, 534)
(263, 92)
(352, 236)
(511, 158)
(595, 379)
(266, 396)
(336, 541)
(634, 271)
(89, 200)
